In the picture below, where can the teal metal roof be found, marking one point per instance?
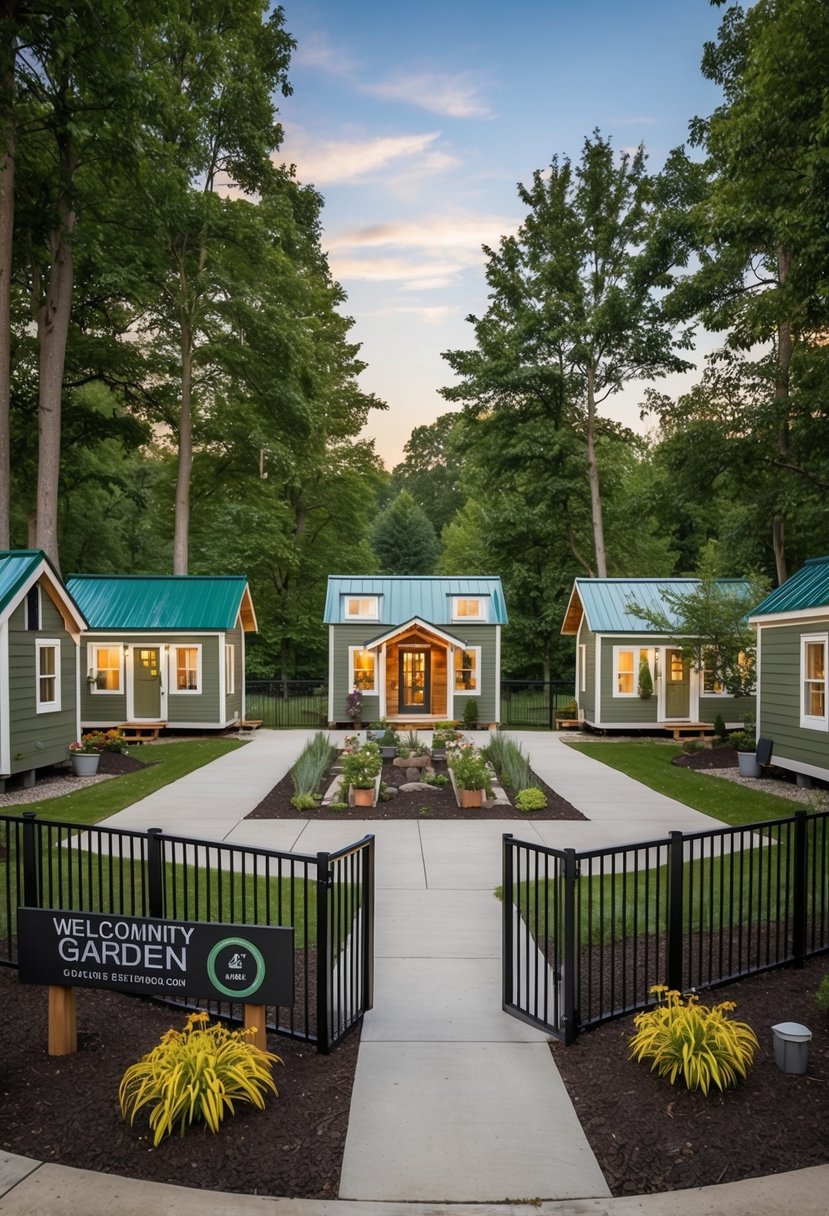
(154, 602)
(17, 568)
(402, 597)
(809, 588)
(606, 601)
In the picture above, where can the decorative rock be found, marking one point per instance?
(389, 792)
(412, 761)
(411, 787)
(412, 774)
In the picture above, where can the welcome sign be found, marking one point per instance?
(248, 963)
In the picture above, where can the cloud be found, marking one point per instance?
(452, 96)
(317, 51)
(411, 274)
(332, 161)
(458, 233)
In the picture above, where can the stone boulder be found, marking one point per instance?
(412, 761)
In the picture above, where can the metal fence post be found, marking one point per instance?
(323, 954)
(368, 925)
(800, 880)
(675, 879)
(568, 962)
(31, 861)
(552, 698)
(155, 873)
(507, 940)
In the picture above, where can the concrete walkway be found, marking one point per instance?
(454, 1101)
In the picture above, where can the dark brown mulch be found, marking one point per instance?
(651, 1136)
(65, 1109)
(115, 764)
(708, 757)
(436, 802)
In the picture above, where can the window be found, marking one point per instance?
(468, 670)
(468, 608)
(187, 660)
(626, 664)
(230, 668)
(33, 608)
(362, 608)
(47, 657)
(105, 669)
(814, 704)
(712, 684)
(362, 665)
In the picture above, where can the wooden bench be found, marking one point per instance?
(678, 729)
(141, 732)
(568, 724)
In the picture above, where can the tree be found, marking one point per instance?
(404, 539)
(431, 470)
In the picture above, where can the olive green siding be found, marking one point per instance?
(624, 709)
(587, 698)
(39, 739)
(732, 710)
(485, 637)
(233, 700)
(99, 708)
(203, 706)
(779, 707)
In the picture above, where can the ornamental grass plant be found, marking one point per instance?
(196, 1075)
(700, 1043)
(313, 761)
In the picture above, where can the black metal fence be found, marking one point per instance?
(528, 704)
(328, 898)
(587, 934)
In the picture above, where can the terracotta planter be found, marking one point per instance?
(363, 797)
(84, 764)
(470, 797)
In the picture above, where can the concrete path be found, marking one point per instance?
(454, 1101)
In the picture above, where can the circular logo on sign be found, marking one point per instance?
(236, 967)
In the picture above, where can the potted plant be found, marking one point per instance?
(388, 741)
(361, 772)
(85, 754)
(746, 744)
(470, 777)
(443, 733)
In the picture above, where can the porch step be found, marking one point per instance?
(678, 729)
(141, 732)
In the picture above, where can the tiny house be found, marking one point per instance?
(417, 648)
(40, 631)
(792, 625)
(165, 650)
(613, 645)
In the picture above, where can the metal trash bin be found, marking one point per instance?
(791, 1046)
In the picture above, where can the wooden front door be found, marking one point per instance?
(415, 680)
(146, 683)
(677, 685)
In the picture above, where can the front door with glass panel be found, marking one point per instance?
(677, 685)
(146, 682)
(415, 680)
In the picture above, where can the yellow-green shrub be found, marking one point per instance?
(196, 1074)
(698, 1042)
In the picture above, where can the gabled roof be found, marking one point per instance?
(605, 602)
(20, 569)
(809, 588)
(414, 624)
(402, 597)
(170, 602)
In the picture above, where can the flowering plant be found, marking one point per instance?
(99, 741)
(361, 767)
(469, 769)
(354, 704)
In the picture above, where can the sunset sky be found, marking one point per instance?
(416, 121)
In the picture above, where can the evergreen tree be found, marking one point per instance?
(404, 539)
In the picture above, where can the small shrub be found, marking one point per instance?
(470, 714)
(361, 767)
(569, 711)
(645, 681)
(822, 995)
(438, 779)
(697, 1042)
(531, 799)
(510, 763)
(469, 768)
(304, 802)
(720, 732)
(196, 1074)
(338, 806)
(689, 746)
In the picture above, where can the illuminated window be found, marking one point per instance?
(712, 684)
(187, 664)
(362, 608)
(626, 664)
(47, 692)
(362, 665)
(105, 668)
(468, 670)
(230, 668)
(813, 681)
(468, 608)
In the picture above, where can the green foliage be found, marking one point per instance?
(312, 763)
(530, 799)
(443, 733)
(431, 469)
(469, 769)
(699, 1043)
(404, 539)
(412, 745)
(304, 802)
(822, 995)
(720, 731)
(196, 1075)
(436, 779)
(510, 762)
(389, 738)
(645, 681)
(362, 766)
(470, 713)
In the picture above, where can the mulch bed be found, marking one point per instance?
(651, 1136)
(435, 802)
(708, 757)
(65, 1109)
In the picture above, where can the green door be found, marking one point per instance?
(677, 685)
(146, 683)
(415, 680)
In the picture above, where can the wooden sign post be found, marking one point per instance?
(63, 1021)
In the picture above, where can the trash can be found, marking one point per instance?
(791, 1046)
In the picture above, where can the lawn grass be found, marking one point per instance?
(650, 763)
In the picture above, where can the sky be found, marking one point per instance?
(416, 121)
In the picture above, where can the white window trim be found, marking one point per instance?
(468, 692)
(366, 692)
(173, 672)
(582, 667)
(709, 692)
(634, 650)
(230, 669)
(47, 707)
(361, 616)
(481, 616)
(814, 721)
(92, 655)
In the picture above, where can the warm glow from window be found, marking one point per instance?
(469, 608)
(363, 665)
(362, 608)
(814, 678)
(467, 674)
(628, 662)
(107, 666)
(187, 668)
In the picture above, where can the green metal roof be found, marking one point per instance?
(606, 601)
(155, 602)
(402, 597)
(809, 588)
(17, 568)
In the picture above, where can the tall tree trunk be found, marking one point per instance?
(8, 12)
(593, 475)
(185, 455)
(52, 332)
(785, 345)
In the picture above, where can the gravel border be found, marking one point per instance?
(53, 786)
